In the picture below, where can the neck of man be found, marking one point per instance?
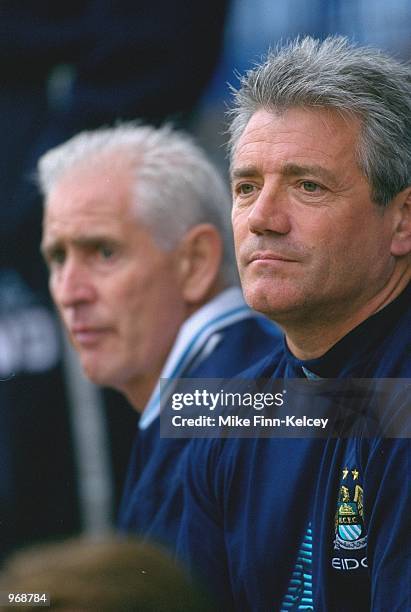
(138, 391)
(313, 335)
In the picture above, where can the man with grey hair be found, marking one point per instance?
(137, 239)
(321, 183)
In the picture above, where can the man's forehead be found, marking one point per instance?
(93, 178)
(85, 221)
(298, 140)
(96, 200)
(306, 120)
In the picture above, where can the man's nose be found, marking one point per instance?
(72, 284)
(270, 212)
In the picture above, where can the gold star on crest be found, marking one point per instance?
(345, 472)
(355, 473)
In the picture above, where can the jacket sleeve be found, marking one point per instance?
(388, 500)
(200, 543)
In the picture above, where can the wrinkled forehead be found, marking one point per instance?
(90, 203)
(312, 136)
(103, 184)
(104, 168)
(328, 119)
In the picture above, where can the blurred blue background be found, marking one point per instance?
(253, 26)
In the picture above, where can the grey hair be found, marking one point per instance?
(355, 81)
(175, 186)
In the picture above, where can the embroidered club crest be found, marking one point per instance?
(349, 519)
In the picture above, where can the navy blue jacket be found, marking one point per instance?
(152, 501)
(309, 524)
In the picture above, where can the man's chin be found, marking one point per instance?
(103, 377)
(95, 373)
(276, 306)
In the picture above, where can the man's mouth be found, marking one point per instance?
(87, 336)
(268, 256)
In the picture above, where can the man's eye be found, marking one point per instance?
(56, 258)
(245, 189)
(106, 251)
(309, 186)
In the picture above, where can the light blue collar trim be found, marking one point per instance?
(310, 375)
(196, 334)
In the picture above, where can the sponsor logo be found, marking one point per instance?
(348, 564)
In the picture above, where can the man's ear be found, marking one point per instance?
(200, 256)
(401, 240)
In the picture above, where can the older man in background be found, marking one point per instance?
(138, 243)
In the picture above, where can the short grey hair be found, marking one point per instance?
(175, 186)
(355, 81)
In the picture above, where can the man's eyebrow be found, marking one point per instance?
(243, 172)
(288, 169)
(87, 242)
(46, 248)
(92, 241)
(291, 169)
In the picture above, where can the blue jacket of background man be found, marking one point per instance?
(152, 501)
